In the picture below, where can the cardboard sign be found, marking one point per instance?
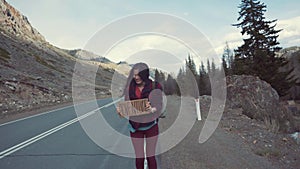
(133, 107)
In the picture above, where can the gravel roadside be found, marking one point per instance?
(225, 149)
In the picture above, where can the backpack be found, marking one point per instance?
(163, 112)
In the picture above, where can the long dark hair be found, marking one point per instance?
(143, 73)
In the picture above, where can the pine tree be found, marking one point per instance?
(180, 81)
(224, 65)
(213, 67)
(203, 82)
(227, 60)
(208, 67)
(157, 76)
(191, 85)
(170, 87)
(257, 56)
(162, 77)
(202, 79)
(190, 65)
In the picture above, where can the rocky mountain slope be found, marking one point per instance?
(16, 24)
(34, 73)
(293, 55)
(86, 55)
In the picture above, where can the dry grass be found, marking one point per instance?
(268, 152)
(4, 55)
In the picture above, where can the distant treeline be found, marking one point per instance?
(256, 57)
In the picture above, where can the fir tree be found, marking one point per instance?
(170, 87)
(203, 82)
(180, 81)
(208, 67)
(190, 65)
(213, 67)
(191, 84)
(257, 56)
(227, 60)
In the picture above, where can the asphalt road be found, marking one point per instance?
(56, 140)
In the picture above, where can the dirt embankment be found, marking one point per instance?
(238, 142)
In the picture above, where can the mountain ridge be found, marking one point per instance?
(35, 73)
(14, 23)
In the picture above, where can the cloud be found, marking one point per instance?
(132, 45)
(290, 34)
(186, 14)
(158, 51)
(233, 38)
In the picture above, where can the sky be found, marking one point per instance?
(72, 24)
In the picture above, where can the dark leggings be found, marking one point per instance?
(137, 139)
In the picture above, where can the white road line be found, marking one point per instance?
(34, 139)
(51, 131)
(10, 122)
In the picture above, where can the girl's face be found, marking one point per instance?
(136, 77)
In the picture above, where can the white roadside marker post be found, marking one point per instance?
(198, 109)
(145, 161)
